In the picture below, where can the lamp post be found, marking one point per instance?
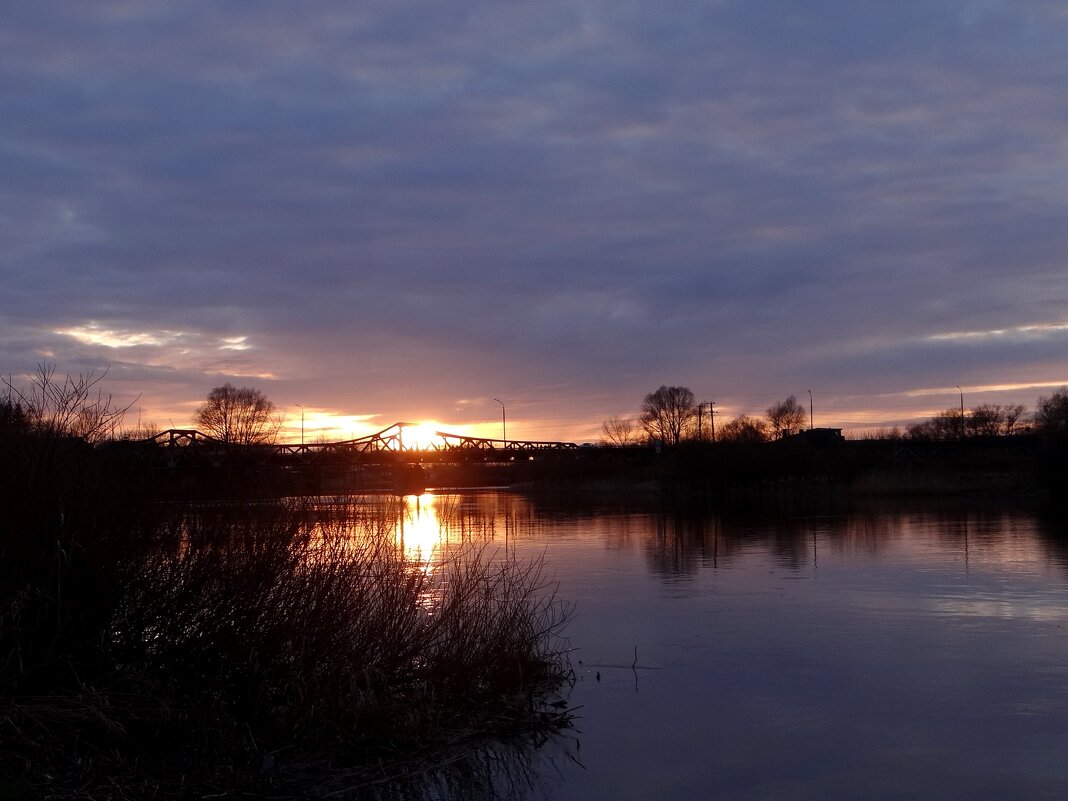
(504, 422)
(301, 423)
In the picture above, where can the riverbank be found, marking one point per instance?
(804, 472)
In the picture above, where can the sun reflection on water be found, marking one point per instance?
(420, 534)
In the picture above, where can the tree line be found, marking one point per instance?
(77, 406)
(671, 414)
(994, 419)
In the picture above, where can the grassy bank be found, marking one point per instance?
(274, 648)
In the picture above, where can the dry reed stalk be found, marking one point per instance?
(237, 635)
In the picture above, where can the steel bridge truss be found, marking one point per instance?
(181, 446)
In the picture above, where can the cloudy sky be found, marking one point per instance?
(402, 210)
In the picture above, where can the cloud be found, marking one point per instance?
(601, 197)
(94, 334)
(1037, 331)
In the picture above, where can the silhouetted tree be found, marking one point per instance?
(1051, 413)
(1012, 414)
(72, 406)
(786, 417)
(944, 425)
(12, 416)
(243, 416)
(744, 429)
(667, 412)
(619, 431)
(988, 419)
(993, 419)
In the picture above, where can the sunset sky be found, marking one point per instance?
(402, 210)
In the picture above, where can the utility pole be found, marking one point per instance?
(301, 424)
(712, 419)
(810, 410)
(700, 421)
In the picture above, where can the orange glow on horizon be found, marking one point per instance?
(323, 425)
(424, 436)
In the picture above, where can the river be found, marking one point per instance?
(889, 654)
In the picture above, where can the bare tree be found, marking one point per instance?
(993, 419)
(1012, 414)
(988, 419)
(787, 417)
(943, 426)
(744, 429)
(667, 412)
(72, 406)
(619, 431)
(243, 416)
(1051, 413)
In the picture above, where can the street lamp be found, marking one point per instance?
(301, 423)
(504, 422)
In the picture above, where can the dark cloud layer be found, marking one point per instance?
(403, 209)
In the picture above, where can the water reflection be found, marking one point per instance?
(888, 653)
(683, 544)
(679, 543)
(885, 653)
(419, 530)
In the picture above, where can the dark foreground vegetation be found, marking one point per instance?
(267, 649)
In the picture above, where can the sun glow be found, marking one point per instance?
(319, 425)
(421, 436)
(316, 425)
(419, 531)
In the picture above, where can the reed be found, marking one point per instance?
(152, 651)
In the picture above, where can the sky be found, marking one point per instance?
(403, 210)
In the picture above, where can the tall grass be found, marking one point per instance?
(154, 652)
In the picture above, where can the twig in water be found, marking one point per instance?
(632, 666)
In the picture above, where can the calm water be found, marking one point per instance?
(890, 655)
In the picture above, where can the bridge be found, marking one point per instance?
(183, 446)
